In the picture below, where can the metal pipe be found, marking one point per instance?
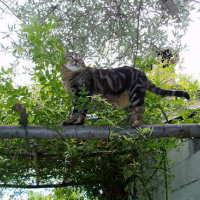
(92, 132)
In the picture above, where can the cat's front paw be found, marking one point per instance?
(135, 120)
(77, 119)
(67, 122)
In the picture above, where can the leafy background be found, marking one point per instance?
(108, 33)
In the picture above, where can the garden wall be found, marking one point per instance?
(185, 166)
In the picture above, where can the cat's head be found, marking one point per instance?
(74, 61)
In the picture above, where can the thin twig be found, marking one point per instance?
(138, 31)
(12, 11)
(193, 1)
(163, 112)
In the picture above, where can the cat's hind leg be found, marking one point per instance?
(135, 117)
(137, 107)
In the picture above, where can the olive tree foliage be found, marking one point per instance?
(115, 31)
(106, 32)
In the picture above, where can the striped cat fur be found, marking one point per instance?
(124, 87)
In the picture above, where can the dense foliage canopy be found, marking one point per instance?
(108, 33)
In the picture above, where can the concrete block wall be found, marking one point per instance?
(185, 166)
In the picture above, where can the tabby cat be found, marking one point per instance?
(124, 87)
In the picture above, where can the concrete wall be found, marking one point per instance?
(185, 166)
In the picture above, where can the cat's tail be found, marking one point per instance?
(159, 91)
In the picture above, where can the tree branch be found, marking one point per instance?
(23, 115)
(70, 169)
(39, 186)
(37, 167)
(138, 31)
(12, 11)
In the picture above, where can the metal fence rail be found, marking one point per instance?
(90, 132)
